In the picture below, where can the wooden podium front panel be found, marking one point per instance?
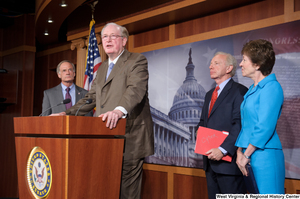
(85, 157)
(55, 151)
(98, 165)
(23, 147)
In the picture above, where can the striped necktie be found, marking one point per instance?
(68, 96)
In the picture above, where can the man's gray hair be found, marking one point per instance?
(60, 63)
(123, 30)
(230, 60)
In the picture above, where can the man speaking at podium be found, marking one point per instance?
(120, 90)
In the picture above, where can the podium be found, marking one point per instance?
(82, 158)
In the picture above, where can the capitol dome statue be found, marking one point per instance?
(186, 109)
(188, 100)
(174, 134)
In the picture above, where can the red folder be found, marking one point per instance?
(209, 138)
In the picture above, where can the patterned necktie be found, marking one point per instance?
(110, 67)
(213, 99)
(68, 96)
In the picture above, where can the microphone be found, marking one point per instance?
(66, 101)
(88, 101)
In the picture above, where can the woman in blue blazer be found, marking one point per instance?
(258, 140)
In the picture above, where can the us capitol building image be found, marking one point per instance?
(175, 133)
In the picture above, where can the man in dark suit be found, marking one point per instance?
(121, 90)
(53, 96)
(223, 177)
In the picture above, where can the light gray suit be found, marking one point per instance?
(54, 96)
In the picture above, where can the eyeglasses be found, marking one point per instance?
(112, 37)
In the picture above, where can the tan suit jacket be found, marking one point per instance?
(126, 86)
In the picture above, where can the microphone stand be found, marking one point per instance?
(66, 101)
(88, 101)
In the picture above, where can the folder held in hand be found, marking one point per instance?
(209, 138)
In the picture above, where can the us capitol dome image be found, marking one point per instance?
(175, 133)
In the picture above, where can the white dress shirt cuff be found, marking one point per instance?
(123, 110)
(223, 151)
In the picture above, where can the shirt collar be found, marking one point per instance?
(65, 87)
(267, 79)
(115, 60)
(223, 84)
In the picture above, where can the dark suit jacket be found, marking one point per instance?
(225, 116)
(126, 86)
(54, 95)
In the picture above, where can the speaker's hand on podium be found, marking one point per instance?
(112, 118)
(58, 114)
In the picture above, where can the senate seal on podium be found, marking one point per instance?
(39, 173)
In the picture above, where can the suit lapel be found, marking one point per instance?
(120, 63)
(58, 93)
(101, 74)
(77, 94)
(222, 95)
(207, 104)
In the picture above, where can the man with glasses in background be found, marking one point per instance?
(120, 90)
